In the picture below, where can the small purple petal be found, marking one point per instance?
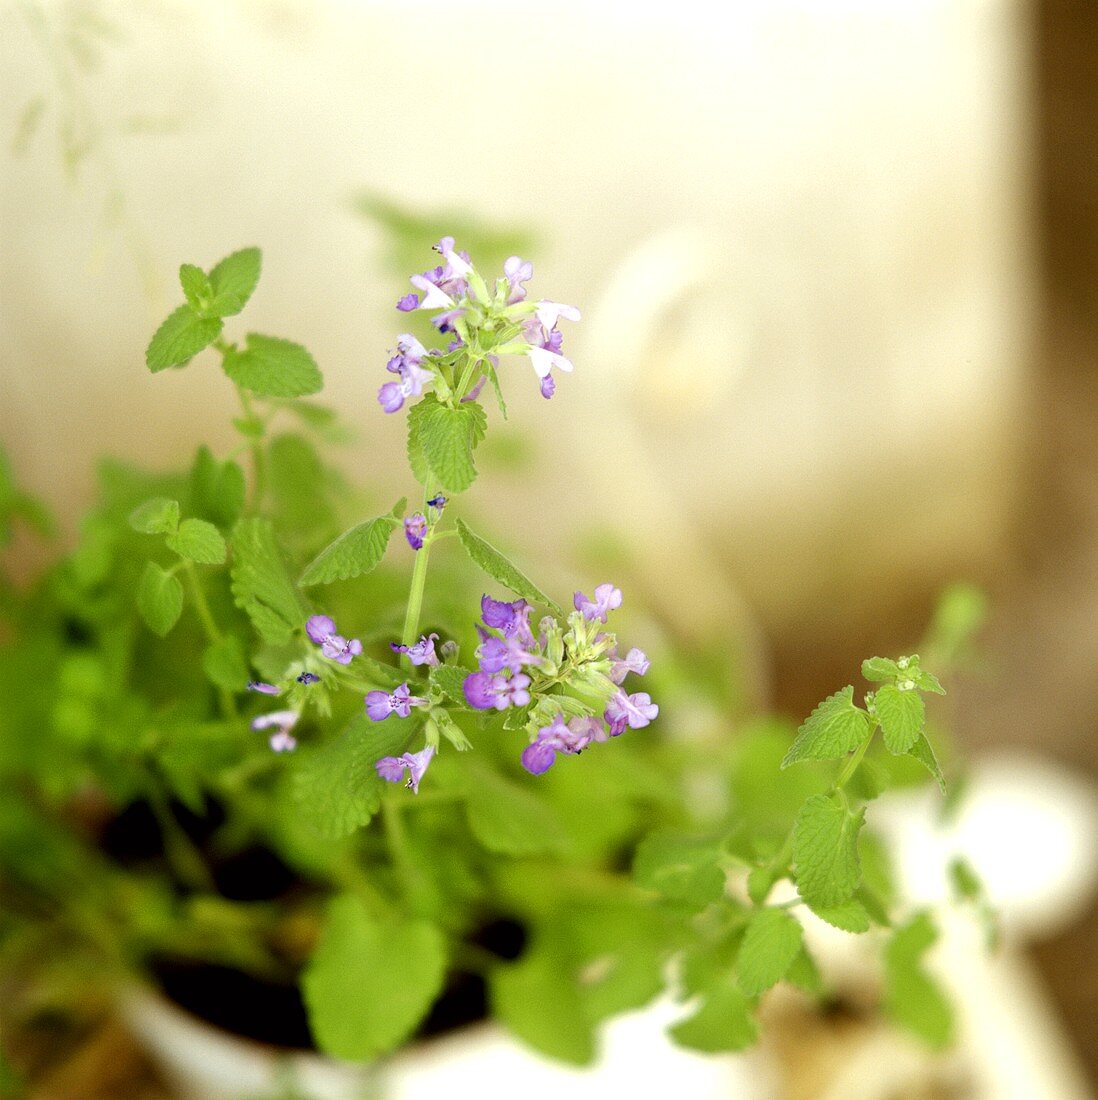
(634, 711)
(390, 768)
(481, 690)
(548, 387)
(282, 741)
(421, 653)
(319, 627)
(408, 303)
(538, 757)
(263, 689)
(308, 678)
(635, 661)
(378, 707)
(415, 530)
(391, 397)
(607, 599)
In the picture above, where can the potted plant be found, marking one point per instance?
(236, 739)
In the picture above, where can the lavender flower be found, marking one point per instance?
(517, 271)
(510, 619)
(437, 502)
(307, 678)
(442, 286)
(281, 721)
(322, 630)
(634, 661)
(415, 530)
(380, 704)
(548, 387)
(392, 768)
(496, 654)
(543, 347)
(570, 738)
(421, 653)
(263, 689)
(607, 599)
(406, 363)
(632, 711)
(409, 302)
(485, 691)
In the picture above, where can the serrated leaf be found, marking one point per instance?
(850, 916)
(927, 681)
(539, 1002)
(159, 599)
(681, 867)
(158, 516)
(180, 338)
(724, 1022)
(804, 974)
(923, 751)
(225, 664)
(902, 716)
(370, 981)
(272, 367)
(880, 670)
(217, 489)
(833, 729)
(451, 678)
(509, 818)
(485, 555)
(355, 552)
(417, 459)
(233, 281)
(825, 851)
(912, 998)
(197, 540)
(336, 786)
(261, 586)
(446, 437)
(195, 284)
(772, 942)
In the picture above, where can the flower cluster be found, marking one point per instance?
(569, 675)
(483, 324)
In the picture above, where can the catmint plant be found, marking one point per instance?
(242, 653)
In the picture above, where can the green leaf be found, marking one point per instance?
(880, 670)
(370, 981)
(804, 974)
(964, 880)
(825, 851)
(197, 540)
(681, 867)
(417, 458)
(180, 338)
(850, 916)
(923, 751)
(499, 568)
(445, 439)
(195, 286)
(271, 367)
(509, 818)
(912, 998)
(833, 729)
(724, 1022)
(159, 599)
(217, 489)
(902, 716)
(538, 1000)
(772, 942)
(451, 678)
(337, 786)
(225, 665)
(233, 280)
(760, 881)
(261, 585)
(355, 552)
(927, 681)
(159, 516)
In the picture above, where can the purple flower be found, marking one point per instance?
(415, 530)
(483, 691)
(510, 619)
(322, 630)
(543, 346)
(438, 502)
(634, 711)
(392, 768)
(308, 678)
(496, 654)
(634, 661)
(380, 704)
(457, 262)
(281, 721)
(413, 377)
(262, 688)
(607, 599)
(549, 313)
(409, 302)
(570, 738)
(421, 653)
(548, 387)
(517, 271)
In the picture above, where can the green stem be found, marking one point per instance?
(852, 764)
(209, 625)
(410, 634)
(255, 445)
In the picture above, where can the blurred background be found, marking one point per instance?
(836, 262)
